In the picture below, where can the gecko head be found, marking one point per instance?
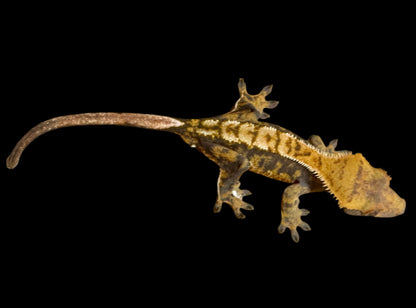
(375, 197)
(384, 209)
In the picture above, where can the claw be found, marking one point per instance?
(264, 116)
(238, 214)
(266, 90)
(333, 144)
(295, 235)
(272, 104)
(241, 205)
(281, 228)
(246, 193)
(217, 207)
(242, 86)
(304, 226)
(247, 206)
(293, 232)
(240, 194)
(304, 212)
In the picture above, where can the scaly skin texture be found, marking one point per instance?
(238, 142)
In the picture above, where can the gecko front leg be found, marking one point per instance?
(317, 142)
(291, 213)
(232, 166)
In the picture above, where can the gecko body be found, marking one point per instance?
(238, 142)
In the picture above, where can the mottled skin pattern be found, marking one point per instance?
(238, 142)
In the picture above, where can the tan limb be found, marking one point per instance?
(291, 213)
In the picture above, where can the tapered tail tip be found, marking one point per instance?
(11, 162)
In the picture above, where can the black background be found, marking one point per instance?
(115, 207)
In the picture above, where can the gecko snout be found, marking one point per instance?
(388, 204)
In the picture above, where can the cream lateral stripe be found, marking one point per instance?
(229, 122)
(207, 132)
(210, 122)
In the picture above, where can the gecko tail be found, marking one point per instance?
(148, 121)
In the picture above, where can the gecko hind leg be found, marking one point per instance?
(232, 166)
(229, 191)
(291, 213)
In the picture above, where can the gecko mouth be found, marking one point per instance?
(353, 212)
(369, 213)
(381, 211)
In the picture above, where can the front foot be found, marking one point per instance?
(292, 219)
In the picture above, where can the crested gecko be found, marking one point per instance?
(238, 142)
